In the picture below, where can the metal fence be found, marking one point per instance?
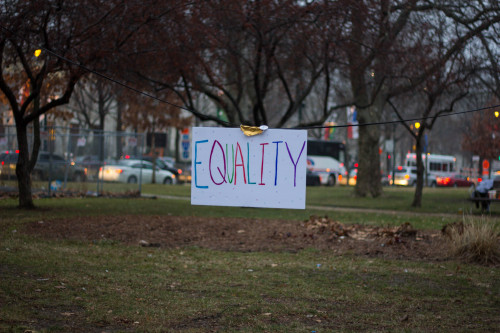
(70, 158)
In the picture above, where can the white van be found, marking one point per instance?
(329, 169)
(438, 166)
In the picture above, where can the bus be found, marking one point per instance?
(327, 159)
(436, 165)
(333, 149)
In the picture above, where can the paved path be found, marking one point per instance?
(333, 208)
(380, 211)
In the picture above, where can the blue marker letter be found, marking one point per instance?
(196, 162)
(276, 167)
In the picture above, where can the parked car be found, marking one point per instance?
(454, 180)
(330, 170)
(182, 170)
(312, 178)
(170, 161)
(90, 163)
(48, 165)
(405, 176)
(132, 170)
(8, 162)
(386, 179)
(160, 163)
(352, 178)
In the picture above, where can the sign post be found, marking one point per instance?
(185, 145)
(486, 167)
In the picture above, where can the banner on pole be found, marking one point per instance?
(230, 169)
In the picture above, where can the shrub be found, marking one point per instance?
(476, 242)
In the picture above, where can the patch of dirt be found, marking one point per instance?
(240, 234)
(8, 192)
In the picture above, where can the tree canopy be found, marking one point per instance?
(68, 35)
(253, 62)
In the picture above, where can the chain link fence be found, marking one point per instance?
(70, 159)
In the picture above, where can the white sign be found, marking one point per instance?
(266, 170)
(355, 130)
(389, 145)
(132, 142)
(81, 142)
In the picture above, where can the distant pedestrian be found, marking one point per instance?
(481, 192)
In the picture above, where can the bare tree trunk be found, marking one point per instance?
(102, 116)
(22, 168)
(369, 110)
(177, 141)
(153, 155)
(119, 138)
(36, 136)
(368, 181)
(25, 162)
(417, 199)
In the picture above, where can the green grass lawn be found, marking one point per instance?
(57, 286)
(63, 286)
(435, 200)
(182, 207)
(442, 200)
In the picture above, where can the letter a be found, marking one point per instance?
(238, 148)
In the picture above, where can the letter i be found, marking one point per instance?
(276, 166)
(262, 164)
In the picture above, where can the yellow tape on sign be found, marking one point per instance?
(250, 130)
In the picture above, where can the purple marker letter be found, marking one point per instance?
(210, 164)
(295, 163)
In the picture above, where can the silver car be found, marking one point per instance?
(131, 171)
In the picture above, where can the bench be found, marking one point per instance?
(482, 199)
(484, 203)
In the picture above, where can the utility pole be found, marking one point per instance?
(393, 151)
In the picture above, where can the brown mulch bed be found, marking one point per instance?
(240, 234)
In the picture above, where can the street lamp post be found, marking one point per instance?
(394, 124)
(393, 152)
